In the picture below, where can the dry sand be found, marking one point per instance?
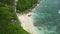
(26, 22)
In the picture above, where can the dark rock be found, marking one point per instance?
(29, 15)
(13, 20)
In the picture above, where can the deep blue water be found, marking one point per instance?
(46, 17)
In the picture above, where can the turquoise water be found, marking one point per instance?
(46, 17)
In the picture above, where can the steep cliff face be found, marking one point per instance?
(46, 17)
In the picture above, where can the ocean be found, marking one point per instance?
(46, 17)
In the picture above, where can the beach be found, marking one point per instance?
(26, 22)
(44, 18)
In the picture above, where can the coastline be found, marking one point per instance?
(25, 19)
(31, 8)
(26, 23)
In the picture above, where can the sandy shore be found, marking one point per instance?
(26, 22)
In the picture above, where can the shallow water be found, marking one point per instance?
(46, 17)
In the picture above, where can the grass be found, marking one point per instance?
(8, 2)
(23, 5)
(6, 25)
(7, 14)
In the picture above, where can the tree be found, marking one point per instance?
(8, 2)
(9, 23)
(23, 5)
(6, 24)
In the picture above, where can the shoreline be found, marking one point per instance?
(26, 23)
(31, 8)
(25, 19)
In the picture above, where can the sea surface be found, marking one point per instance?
(46, 17)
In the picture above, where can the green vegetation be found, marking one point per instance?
(7, 26)
(23, 5)
(1, 4)
(8, 2)
(9, 23)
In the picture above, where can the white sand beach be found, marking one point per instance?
(26, 22)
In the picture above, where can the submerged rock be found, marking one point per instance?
(47, 14)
